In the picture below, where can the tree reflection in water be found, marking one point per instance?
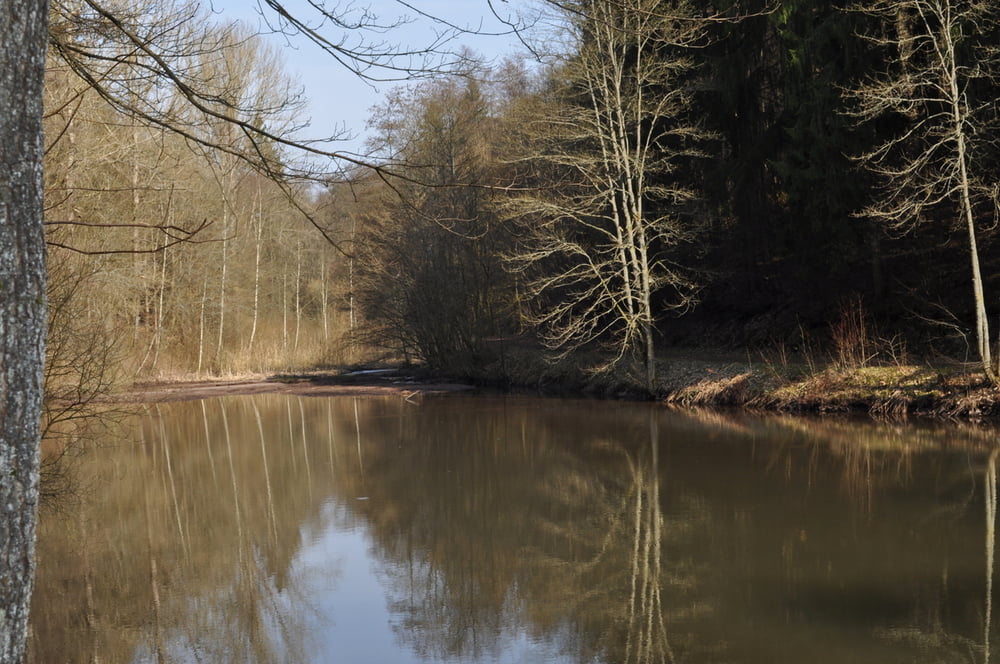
(647, 634)
(505, 521)
(549, 531)
(991, 523)
(174, 565)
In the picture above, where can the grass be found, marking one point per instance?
(716, 378)
(878, 382)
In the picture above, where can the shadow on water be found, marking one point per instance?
(289, 529)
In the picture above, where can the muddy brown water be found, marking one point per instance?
(381, 530)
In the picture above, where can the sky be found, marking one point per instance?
(339, 100)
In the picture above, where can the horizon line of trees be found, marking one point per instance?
(742, 174)
(673, 172)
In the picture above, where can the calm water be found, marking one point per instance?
(483, 530)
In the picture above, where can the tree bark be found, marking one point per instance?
(23, 38)
(259, 217)
(222, 284)
(959, 117)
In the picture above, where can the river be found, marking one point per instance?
(515, 530)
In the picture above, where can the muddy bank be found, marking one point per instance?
(362, 383)
(954, 391)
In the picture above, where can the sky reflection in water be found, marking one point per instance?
(520, 531)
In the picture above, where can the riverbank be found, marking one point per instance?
(952, 391)
(377, 382)
(706, 378)
(693, 378)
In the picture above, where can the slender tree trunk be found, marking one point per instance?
(222, 287)
(159, 308)
(298, 291)
(71, 173)
(982, 322)
(323, 299)
(959, 114)
(137, 266)
(153, 347)
(284, 311)
(350, 286)
(23, 37)
(256, 269)
(201, 325)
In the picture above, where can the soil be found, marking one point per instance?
(370, 383)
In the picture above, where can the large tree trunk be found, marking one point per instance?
(23, 28)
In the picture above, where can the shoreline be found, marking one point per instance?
(318, 385)
(947, 392)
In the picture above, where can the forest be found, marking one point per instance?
(802, 175)
(794, 182)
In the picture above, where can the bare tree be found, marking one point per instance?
(613, 142)
(431, 281)
(933, 167)
(115, 47)
(22, 308)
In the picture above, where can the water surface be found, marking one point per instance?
(514, 530)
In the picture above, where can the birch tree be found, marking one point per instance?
(22, 308)
(939, 85)
(614, 140)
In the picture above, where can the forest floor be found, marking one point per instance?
(686, 377)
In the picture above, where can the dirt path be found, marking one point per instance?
(373, 384)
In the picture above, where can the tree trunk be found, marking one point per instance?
(222, 287)
(201, 325)
(350, 287)
(23, 37)
(982, 323)
(284, 313)
(959, 115)
(324, 300)
(298, 290)
(256, 268)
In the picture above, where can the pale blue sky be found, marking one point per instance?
(338, 99)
